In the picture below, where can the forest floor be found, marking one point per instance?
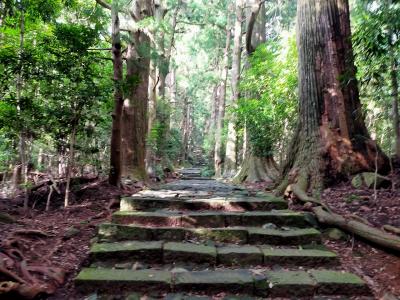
(63, 235)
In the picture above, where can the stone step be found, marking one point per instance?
(168, 296)
(163, 192)
(111, 254)
(215, 203)
(250, 282)
(210, 219)
(236, 235)
(194, 177)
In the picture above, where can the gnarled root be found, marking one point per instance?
(361, 229)
(352, 224)
(25, 280)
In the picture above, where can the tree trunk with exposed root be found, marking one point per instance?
(331, 141)
(257, 169)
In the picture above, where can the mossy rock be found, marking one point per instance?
(71, 232)
(335, 234)
(6, 218)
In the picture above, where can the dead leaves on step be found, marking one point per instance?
(20, 277)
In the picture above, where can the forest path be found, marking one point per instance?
(197, 238)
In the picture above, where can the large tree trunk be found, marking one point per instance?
(173, 94)
(134, 129)
(230, 154)
(253, 167)
(331, 141)
(221, 106)
(395, 97)
(115, 152)
(186, 129)
(257, 169)
(151, 115)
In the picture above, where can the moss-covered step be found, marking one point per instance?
(214, 203)
(168, 296)
(239, 255)
(121, 252)
(285, 284)
(210, 219)
(188, 252)
(110, 280)
(156, 218)
(235, 235)
(235, 281)
(296, 284)
(283, 237)
(293, 284)
(298, 257)
(338, 283)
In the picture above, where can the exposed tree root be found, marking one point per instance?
(352, 224)
(21, 278)
(367, 232)
(257, 169)
(392, 229)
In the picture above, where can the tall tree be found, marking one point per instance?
(135, 122)
(230, 156)
(221, 94)
(331, 140)
(255, 167)
(116, 145)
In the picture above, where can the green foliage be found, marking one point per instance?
(376, 39)
(269, 87)
(63, 85)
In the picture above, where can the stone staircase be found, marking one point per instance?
(200, 239)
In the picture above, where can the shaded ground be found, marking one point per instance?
(379, 268)
(66, 232)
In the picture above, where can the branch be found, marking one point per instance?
(250, 26)
(99, 49)
(104, 4)
(125, 11)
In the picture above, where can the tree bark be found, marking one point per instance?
(186, 129)
(71, 161)
(151, 114)
(230, 164)
(135, 122)
(115, 152)
(221, 106)
(395, 97)
(257, 169)
(331, 141)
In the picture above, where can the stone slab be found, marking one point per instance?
(112, 279)
(339, 283)
(283, 237)
(215, 281)
(298, 257)
(181, 252)
(239, 256)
